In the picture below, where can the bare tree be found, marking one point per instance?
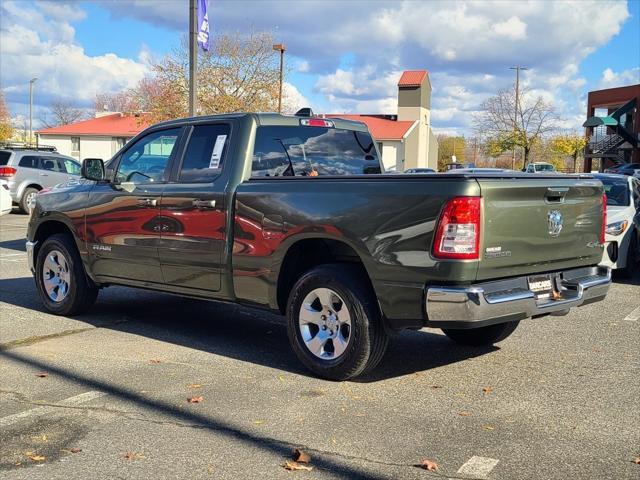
(498, 123)
(62, 113)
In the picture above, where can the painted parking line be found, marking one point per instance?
(12, 254)
(44, 410)
(633, 316)
(478, 467)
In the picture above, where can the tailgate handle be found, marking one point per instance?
(556, 194)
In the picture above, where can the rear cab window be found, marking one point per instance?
(313, 151)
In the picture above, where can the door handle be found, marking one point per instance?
(204, 203)
(147, 202)
(44, 174)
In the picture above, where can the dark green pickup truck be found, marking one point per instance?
(291, 214)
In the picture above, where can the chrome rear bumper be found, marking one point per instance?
(512, 300)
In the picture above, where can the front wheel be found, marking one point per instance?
(482, 336)
(60, 277)
(334, 322)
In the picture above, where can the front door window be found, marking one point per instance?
(146, 160)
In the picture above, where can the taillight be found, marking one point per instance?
(604, 217)
(458, 232)
(7, 171)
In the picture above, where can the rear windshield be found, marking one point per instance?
(544, 168)
(617, 191)
(4, 157)
(313, 151)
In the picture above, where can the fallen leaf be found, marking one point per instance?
(195, 399)
(40, 438)
(132, 455)
(194, 385)
(464, 414)
(291, 465)
(429, 465)
(258, 422)
(155, 361)
(488, 427)
(75, 450)
(436, 386)
(637, 461)
(300, 456)
(35, 457)
(487, 390)
(281, 378)
(42, 374)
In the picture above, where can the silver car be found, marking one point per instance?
(28, 170)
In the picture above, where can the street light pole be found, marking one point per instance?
(31, 82)
(193, 56)
(517, 68)
(279, 47)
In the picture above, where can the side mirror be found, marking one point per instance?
(93, 169)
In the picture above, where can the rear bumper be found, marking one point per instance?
(511, 300)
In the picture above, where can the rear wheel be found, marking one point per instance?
(28, 199)
(60, 277)
(334, 322)
(481, 336)
(633, 257)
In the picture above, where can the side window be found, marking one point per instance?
(51, 164)
(72, 167)
(146, 160)
(29, 161)
(205, 153)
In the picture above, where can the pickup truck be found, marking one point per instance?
(291, 214)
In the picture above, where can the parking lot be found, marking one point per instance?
(106, 394)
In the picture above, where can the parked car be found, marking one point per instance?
(290, 214)
(540, 167)
(5, 198)
(420, 170)
(455, 166)
(481, 170)
(29, 169)
(622, 239)
(624, 169)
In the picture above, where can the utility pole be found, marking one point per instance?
(279, 47)
(517, 68)
(31, 82)
(193, 56)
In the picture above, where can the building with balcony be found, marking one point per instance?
(612, 127)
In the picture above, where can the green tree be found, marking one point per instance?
(6, 131)
(449, 146)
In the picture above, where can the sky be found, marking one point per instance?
(342, 56)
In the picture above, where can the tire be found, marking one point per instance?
(353, 340)
(75, 292)
(482, 336)
(633, 258)
(24, 201)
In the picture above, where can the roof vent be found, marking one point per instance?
(305, 112)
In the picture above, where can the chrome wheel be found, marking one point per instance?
(31, 201)
(325, 323)
(56, 277)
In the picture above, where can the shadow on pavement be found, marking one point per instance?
(17, 245)
(209, 422)
(634, 280)
(234, 331)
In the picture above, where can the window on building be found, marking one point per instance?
(205, 153)
(117, 143)
(75, 145)
(311, 151)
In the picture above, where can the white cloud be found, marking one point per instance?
(302, 66)
(39, 42)
(513, 28)
(612, 79)
(293, 100)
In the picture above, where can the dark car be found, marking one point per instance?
(624, 169)
(291, 214)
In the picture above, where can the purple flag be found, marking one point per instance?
(203, 24)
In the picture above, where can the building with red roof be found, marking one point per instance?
(99, 137)
(405, 138)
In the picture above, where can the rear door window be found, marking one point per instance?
(313, 151)
(29, 161)
(4, 157)
(204, 157)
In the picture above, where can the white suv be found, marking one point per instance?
(29, 169)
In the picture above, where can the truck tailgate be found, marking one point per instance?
(521, 221)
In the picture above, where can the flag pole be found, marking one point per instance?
(193, 56)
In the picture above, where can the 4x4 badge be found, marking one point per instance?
(554, 221)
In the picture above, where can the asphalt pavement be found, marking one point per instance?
(106, 394)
